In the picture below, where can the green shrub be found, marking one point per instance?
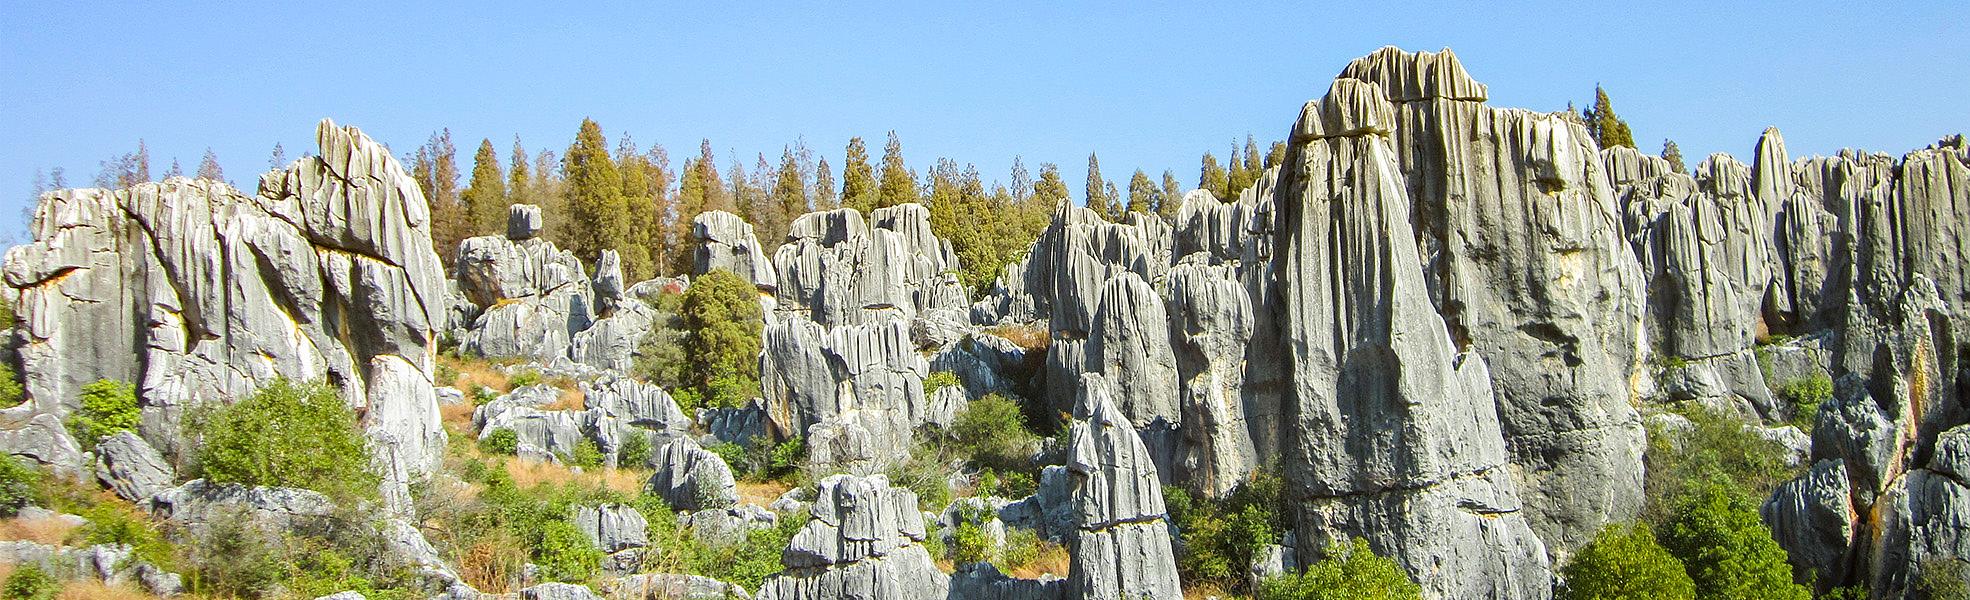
(969, 544)
(1670, 362)
(233, 556)
(482, 395)
(635, 450)
(1943, 578)
(1806, 396)
(108, 407)
(110, 523)
(1624, 561)
(1727, 551)
(1716, 445)
(939, 380)
(749, 563)
(18, 485)
(564, 554)
(586, 455)
(286, 435)
(446, 374)
(1221, 537)
(732, 454)
(1350, 572)
(524, 379)
(660, 358)
(1022, 547)
(30, 582)
(926, 473)
(500, 441)
(991, 432)
(688, 399)
(723, 319)
(11, 392)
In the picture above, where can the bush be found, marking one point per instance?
(446, 374)
(635, 450)
(108, 407)
(11, 392)
(524, 379)
(564, 554)
(30, 582)
(1221, 537)
(586, 455)
(1716, 445)
(1806, 395)
(18, 483)
(723, 319)
(1624, 561)
(286, 435)
(990, 431)
(939, 380)
(482, 395)
(501, 441)
(1022, 548)
(234, 556)
(1350, 572)
(747, 564)
(1943, 578)
(660, 358)
(969, 544)
(1725, 548)
(110, 523)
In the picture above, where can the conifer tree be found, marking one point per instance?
(1144, 196)
(1050, 190)
(141, 165)
(1022, 181)
(858, 179)
(208, 167)
(899, 185)
(1172, 198)
(485, 194)
(637, 190)
(1095, 193)
(1214, 178)
(1254, 164)
(175, 170)
(1117, 210)
(597, 213)
(1607, 128)
(435, 168)
(1276, 155)
(824, 187)
(789, 198)
(278, 160)
(658, 232)
(1674, 155)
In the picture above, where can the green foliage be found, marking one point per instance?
(927, 473)
(482, 395)
(485, 194)
(564, 554)
(285, 435)
(30, 582)
(1609, 130)
(1022, 547)
(661, 358)
(1806, 395)
(1623, 562)
(748, 563)
(1221, 537)
(1717, 444)
(1349, 572)
(939, 380)
(899, 183)
(969, 544)
(598, 214)
(1214, 178)
(586, 455)
(111, 523)
(722, 314)
(524, 379)
(1674, 155)
(446, 375)
(18, 485)
(1728, 552)
(991, 431)
(11, 391)
(233, 556)
(501, 441)
(635, 449)
(1943, 578)
(107, 408)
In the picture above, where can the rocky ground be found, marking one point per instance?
(1445, 327)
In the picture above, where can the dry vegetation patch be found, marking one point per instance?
(51, 529)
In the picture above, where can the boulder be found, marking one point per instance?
(613, 527)
(725, 241)
(666, 586)
(865, 540)
(691, 478)
(132, 468)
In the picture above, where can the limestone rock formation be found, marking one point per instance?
(1211, 326)
(533, 297)
(132, 468)
(1121, 548)
(1397, 437)
(725, 242)
(691, 478)
(613, 527)
(865, 541)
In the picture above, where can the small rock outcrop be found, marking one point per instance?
(865, 541)
(691, 478)
(1121, 548)
(132, 468)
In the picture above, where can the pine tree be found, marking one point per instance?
(1050, 190)
(699, 190)
(436, 171)
(208, 167)
(519, 180)
(1607, 128)
(788, 199)
(278, 160)
(659, 208)
(485, 194)
(858, 179)
(598, 214)
(1674, 155)
(57, 178)
(1214, 178)
(1275, 156)
(175, 170)
(141, 164)
(1144, 196)
(1254, 164)
(899, 185)
(824, 188)
(1022, 181)
(1172, 197)
(1095, 194)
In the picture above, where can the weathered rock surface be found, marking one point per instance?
(132, 468)
(865, 541)
(725, 242)
(613, 527)
(1121, 548)
(1211, 326)
(691, 478)
(665, 586)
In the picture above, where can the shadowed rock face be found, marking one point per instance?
(1394, 435)
(195, 291)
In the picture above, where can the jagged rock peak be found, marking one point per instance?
(1351, 107)
(1409, 76)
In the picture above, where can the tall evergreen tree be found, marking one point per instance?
(1172, 197)
(789, 196)
(1050, 190)
(659, 224)
(858, 178)
(1214, 178)
(142, 162)
(1144, 196)
(1254, 164)
(175, 170)
(899, 185)
(1095, 193)
(435, 168)
(1607, 128)
(519, 178)
(1022, 181)
(598, 214)
(824, 187)
(208, 167)
(1117, 210)
(278, 160)
(1674, 155)
(1275, 155)
(485, 194)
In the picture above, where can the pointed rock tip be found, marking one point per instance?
(1422, 75)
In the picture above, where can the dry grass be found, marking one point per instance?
(571, 397)
(1052, 560)
(527, 473)
(458, 417)
(1202, 591)
(51, 530)
(1030, 337)
(93, 590)
(762, 493)
(493, 563)
(476, 372)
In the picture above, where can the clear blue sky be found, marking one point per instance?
(1148, 87)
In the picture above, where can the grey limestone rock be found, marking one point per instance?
(865, 540)
(132, 468)
(613, 527)
(1121, 548)
(42, 438)
(524, 222)
(691, 478)
(1211, 327)
(726, 242)
(1813, 519)
(667, 586)
(1130, 345)
(982, 581)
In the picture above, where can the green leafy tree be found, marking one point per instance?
(1214, 178)
(1276, 155)
(1607, 128)
(107, 408)
(1144, 196)
(789, 198)
(598, 216)
(1624, 562)
(899, 184)
(1674, 155)
(722, 314)
(519, 179)
(564, 554)
(1725, 548)
(1095, 193)
(858, 178)
(1050, 190)
(485, 194)
(285, 435)
(991, 431)
(1351, 571)
(30, 582)
(1172, 197)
